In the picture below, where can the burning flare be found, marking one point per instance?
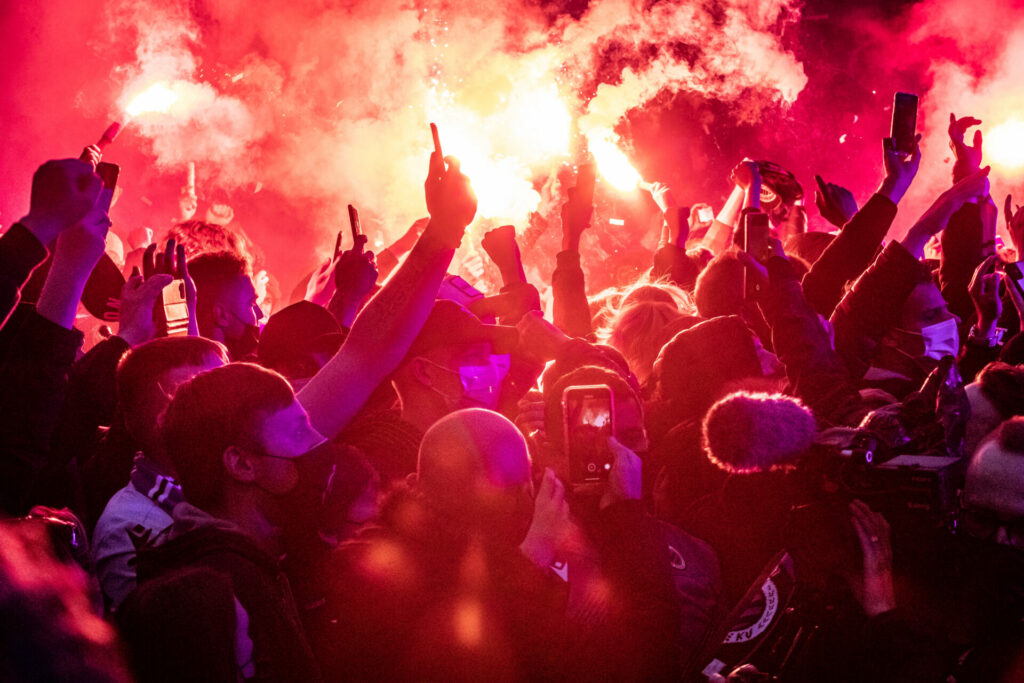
(1004, 145)
(611, 162)
(158, 97)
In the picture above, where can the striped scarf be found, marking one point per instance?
(148, 480)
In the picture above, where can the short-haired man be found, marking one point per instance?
(226, 308)
(146, 378)
(243, 450)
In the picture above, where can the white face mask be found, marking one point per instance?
(941, 339)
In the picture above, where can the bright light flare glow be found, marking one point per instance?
(503, 142)
(158, 97)
(611, 162)
(1004, 144)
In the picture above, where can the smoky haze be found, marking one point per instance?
(291, 110)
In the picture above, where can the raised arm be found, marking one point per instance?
(62, 192)
(858, 242)
(386, 327)
(570, 309)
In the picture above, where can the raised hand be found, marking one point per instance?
(408, 239)
(63, 192)
(969, 189)
(171, 261)
(79, 247)
(539, 339)
(900, 169)
(451, 201)
(1015, 225)
(968, 157)
(91, 155)
(662, 196)
(576, 214)
(624, 480)
(355, 273)
(138, 298)
(745, 173)
(500, 244)
(320, 288)
(550, 527)
(984, 291)
(84, 243)
(835, 203)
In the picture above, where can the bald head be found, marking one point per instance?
(471, 448)
(995, 474)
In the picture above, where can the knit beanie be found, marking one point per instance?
(697, 365)
(719, 289)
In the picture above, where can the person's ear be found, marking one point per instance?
(221, 316)
(240, 464)
(420, 371)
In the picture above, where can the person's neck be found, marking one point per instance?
(243, 511)
(422, 414)
(217, 334)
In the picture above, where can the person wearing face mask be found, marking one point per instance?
(250, 466)
(894, 325)
(456, 362)
(226, 307)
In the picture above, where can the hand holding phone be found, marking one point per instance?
(756, 232)
(904, 122)
(358, 238)
(588, 414)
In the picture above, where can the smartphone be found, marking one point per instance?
(706, 214)
(589, 419)
(353, 221)
(1015, 274)
(454, 288)
(756, 231)
(108, 173)
(337, 244)
(586, 178)
(904, 122)
(176, 308)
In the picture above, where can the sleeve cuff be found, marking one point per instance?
(20, 253)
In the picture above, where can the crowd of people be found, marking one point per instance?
(780, 453)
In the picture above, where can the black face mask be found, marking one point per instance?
(244, 348)
(300, 509)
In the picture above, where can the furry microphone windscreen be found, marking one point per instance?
(756, 432)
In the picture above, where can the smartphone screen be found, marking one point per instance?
(176, 308)
(756, 231)
(706, 214)
(589, 419)
(904, 122)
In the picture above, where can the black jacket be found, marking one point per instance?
(280, 652)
